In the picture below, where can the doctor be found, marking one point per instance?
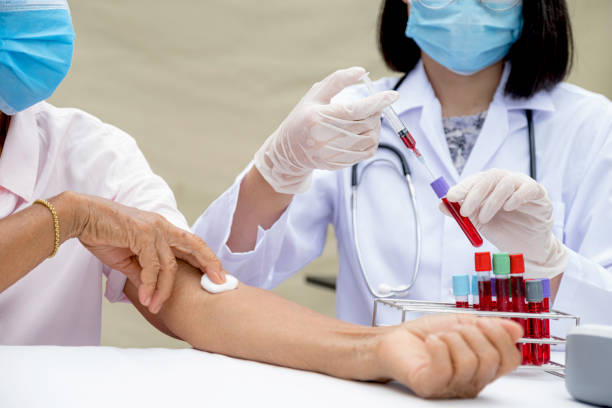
(475, 72)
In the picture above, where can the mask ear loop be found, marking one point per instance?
(511, 6)
(430, 7)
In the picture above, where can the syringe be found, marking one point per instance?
(398, 126)
(439, 184)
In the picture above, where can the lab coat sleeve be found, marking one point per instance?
(586, 285)
(294, 240)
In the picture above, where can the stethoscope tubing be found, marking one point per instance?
(403, 289)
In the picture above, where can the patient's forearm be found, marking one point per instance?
(259, 325)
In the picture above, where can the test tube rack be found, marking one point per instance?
(404, 306)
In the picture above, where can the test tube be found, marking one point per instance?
(501, 270)
(461, 290)
(475, 300)
(546, 322)
(482, 262)
(535, 329)
(517, 290)
(493, 294)
(440, 187)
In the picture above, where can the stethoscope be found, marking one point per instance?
(384, 289)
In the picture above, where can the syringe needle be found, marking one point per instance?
(422, 160)
(398, 127)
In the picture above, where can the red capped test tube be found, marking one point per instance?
(517, 290)
(482, 262)
(474, 289)
(440, 187)
(546, 322)
(461, 290)
(535, 329)
(501, 270)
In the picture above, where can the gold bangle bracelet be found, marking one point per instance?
(55, 224)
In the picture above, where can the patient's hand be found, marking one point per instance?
(142, 245)
(450, 356)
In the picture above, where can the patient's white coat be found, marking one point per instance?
(209, 286)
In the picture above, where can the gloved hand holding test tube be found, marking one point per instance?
(439, 185)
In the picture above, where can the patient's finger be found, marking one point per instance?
(166, 277)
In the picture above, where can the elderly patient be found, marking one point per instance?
(78, 200)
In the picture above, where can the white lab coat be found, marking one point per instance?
(573, 132)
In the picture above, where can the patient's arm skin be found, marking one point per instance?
(30, 234)
(440, 356)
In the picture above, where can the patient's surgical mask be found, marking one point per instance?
(36, 43)
(465, 36)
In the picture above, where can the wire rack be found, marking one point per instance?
(405, 306)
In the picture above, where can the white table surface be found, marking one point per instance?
(49, 376)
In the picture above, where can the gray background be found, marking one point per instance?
(201, 84)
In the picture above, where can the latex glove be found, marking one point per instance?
(320, 135)
(142, 245)
(449, 356)
(515, 214)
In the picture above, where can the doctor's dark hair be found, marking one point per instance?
(540, 58)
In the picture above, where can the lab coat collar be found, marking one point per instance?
(417, 92)
(539, 101)
(20, 155)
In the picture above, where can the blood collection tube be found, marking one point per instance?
(534, 305)
(475, 300)
(546, 322)
(517, 290)
(461, 290)
(482, 262)
(440, 187)
(501, 270)
(493, 294)
(517, 284)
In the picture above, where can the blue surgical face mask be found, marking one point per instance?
(36, 43)
(464, 36)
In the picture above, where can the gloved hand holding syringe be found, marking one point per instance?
(439, 185)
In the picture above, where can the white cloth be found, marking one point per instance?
(47, 151)
(573, 131)
(102, 377)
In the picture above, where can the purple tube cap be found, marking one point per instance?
(545, 288)
(440, 187)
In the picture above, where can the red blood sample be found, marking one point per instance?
(501, 269)
(464, 223)
(493, 294)
(546, 330)
(484, 294)
(409, 141)
(440, 187)
(535, 326)
(517, 289)
(502, 291)
(463, 304)
(546, 322)
(482, 262)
